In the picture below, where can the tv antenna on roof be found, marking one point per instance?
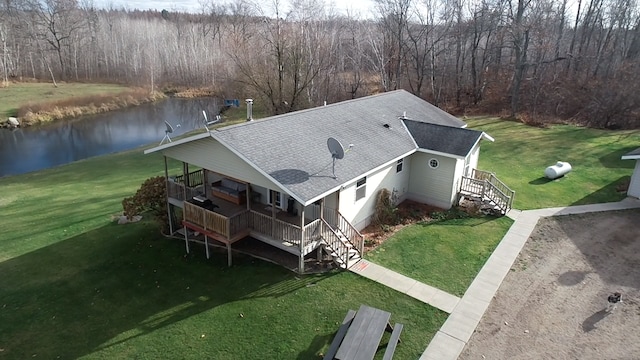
(337, 152)
(207, 122)
(168, 130)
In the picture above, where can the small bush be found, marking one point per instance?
(151, 197)
(386, 211)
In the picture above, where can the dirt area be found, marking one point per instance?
(408, 212)
(552, 304)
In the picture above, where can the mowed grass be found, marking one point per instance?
(446, 254)
(521, 153)
(76, 285)
(17, 95)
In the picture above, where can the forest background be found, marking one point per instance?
(538, 61)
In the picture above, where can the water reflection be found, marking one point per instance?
(36, 148)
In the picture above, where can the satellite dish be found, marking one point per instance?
(168, 130)
(207, 122)
(335, 148)
(337, 152)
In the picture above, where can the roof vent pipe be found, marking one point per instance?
(249, 109)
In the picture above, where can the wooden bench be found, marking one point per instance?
(342, 331)
(393, 342)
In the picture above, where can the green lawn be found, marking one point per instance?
(73, 284)
(446, 254)
(18, 94)
(521, 153)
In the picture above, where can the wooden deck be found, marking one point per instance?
(227, 222)
(488, 188)
(230, 222)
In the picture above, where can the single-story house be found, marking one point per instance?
(277, 179)
(634, 184)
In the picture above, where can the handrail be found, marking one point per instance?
(332, 239)
(336, 220)
(195, 178)
(485, 183)
(353, 235)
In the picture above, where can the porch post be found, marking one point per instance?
(206, 245)
(205, 181)
(185, 170)
(229, 254)
(321, 208)
(166, 183)
(273, 214)
(247, 192)
(185, 180)
(301, 258)
(186, 238)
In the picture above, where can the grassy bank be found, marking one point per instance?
(17, 95)
(74, 284)
(521, 153)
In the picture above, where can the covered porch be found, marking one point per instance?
(198, 209)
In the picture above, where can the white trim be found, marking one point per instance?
(487, 137)
(427, 151)
(203, 135)
(630, 157)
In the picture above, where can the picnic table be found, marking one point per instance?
(359, 336)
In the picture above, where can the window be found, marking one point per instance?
(361, 188)
(433, 163)
(275, 198)
(399, 165)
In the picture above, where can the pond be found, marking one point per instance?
(42, 147)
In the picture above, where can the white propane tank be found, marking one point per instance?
(557, 170)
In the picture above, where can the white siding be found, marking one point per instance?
(210, 154)
(472, 158)
(634, 185)
(434, 186)
(360, 212)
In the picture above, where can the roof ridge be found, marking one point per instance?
(315, 108)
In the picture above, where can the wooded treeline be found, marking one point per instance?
(568, 59)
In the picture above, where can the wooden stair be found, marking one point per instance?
(336, 244)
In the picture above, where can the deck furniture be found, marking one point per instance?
(359, 338)
(230, 190)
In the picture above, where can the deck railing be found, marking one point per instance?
(176, 185)
(336, 220)
(194, 178)
(206, 219)
(331, 237)
(229, 227)
(486, 185)
(277, 229)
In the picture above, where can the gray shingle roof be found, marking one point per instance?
(292, 148)
(444, 139)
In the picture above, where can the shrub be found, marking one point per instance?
(151, 197)
(386, 211)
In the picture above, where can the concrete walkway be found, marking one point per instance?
(454, 334)
(417, 290)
